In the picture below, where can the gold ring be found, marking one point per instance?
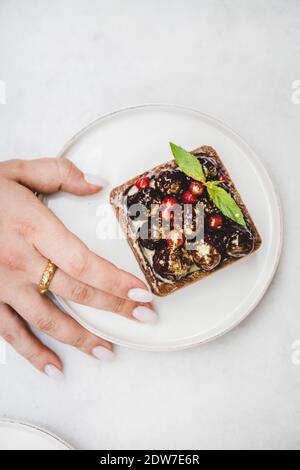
(47, 277)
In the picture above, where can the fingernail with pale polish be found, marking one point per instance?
(145, 315)
(53, 372)
(140, 295)
(99, 352)
(95, 180)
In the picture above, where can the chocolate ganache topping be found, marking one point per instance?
(169, 203)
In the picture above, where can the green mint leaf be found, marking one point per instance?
(225, 203)
(188, 163)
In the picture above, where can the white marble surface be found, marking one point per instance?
(67, 61)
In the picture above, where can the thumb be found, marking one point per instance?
(49, 175)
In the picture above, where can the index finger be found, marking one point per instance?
(54, 241)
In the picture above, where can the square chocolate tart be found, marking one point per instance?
(232, 241)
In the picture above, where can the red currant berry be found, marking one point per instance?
(169, 202)
(143, 182)
(223, 178)
(215, 221)
(188, 198)
(167, 205)
(196, 188)
(175, 239)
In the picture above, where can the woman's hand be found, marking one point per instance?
(30, 235)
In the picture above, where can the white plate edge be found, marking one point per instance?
(22, 424)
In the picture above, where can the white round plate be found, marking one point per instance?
(20, 436)
(122, 145)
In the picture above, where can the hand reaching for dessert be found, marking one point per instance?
(30, 236)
